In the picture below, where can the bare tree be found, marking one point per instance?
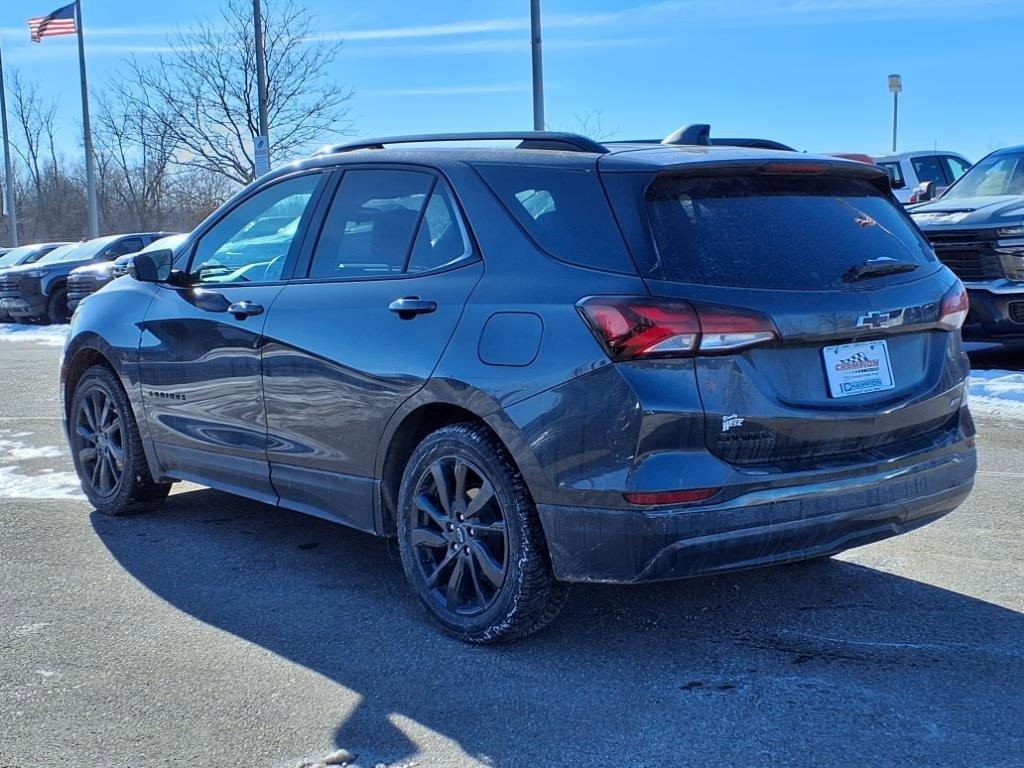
(34, 120)
(205, 89)
(134, 151)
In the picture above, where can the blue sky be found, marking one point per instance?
(811, 73)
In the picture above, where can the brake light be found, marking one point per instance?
(794, 168)
(632, 327)
(660, 498)
(954, 307)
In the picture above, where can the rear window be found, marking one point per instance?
(775, 231)
(564, 211)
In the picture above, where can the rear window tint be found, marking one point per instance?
(564, 211)
(776, 231)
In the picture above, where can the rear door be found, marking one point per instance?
(359, 331)
(860, 361)
(201, 344)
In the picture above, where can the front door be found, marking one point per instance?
(200, 370)
(360, 333)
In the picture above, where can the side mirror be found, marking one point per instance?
(152, 267)
(925, 191)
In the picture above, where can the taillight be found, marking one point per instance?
(631, 327)
(954, 307)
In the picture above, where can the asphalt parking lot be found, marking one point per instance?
(221, 632)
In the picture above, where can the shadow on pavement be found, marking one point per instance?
(825, 663)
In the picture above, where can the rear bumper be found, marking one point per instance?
(761, 528)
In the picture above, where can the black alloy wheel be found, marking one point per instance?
(459, 536)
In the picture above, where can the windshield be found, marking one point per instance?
(994, 176)
(78, 251)
(13, 258)
(776, 231)
(165, 243)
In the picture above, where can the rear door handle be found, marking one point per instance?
(244, 309)
(407, 308)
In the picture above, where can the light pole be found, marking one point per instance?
(261, 145)
(12, 216)
(538, 66)
(895, 87)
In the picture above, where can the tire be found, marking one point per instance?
(505, 588)
(57, 308)
(101, 426)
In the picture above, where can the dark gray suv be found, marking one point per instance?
(553, 362)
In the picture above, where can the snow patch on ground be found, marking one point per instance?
(47, 335)
(18, 483)
(997, 393)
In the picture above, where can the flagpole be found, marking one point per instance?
(90, 163)
(12, 216)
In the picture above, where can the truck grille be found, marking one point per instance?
(1016, 311)
(970, 254)
(10, 286)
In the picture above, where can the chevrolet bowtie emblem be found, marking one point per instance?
(881, 319)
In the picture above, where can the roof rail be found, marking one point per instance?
(553, 140)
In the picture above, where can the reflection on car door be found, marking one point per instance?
(392, 269)
(200, 349)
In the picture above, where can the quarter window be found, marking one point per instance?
(252, 243)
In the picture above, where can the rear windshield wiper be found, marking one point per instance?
(877, 268)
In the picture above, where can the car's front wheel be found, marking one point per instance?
(107, 449)
(470, 539)
(57, 312)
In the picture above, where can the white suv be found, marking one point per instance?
(909, 169)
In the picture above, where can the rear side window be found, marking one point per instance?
(895, 175)
(564, 211)
(371, 223)
(775, 231)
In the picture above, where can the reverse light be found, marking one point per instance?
(661, 498)
(954, 307)
(633, 327)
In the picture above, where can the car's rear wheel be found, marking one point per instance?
(107, 449)
(471, 541)
(57, 311)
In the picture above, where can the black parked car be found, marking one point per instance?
(559, 362)
(85, 281)
(39, 291)
(977, 230)
(25, 254)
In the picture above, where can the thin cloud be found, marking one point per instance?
(504, 45)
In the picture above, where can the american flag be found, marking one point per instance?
(60, 22)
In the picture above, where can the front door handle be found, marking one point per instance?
(244, 309)
(407, 308)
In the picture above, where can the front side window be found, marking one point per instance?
(251, 243)
(955, 167)
(371, 224)
(928, 169)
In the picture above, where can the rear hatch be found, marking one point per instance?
(862, 359)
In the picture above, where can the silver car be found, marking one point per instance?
(909, 170)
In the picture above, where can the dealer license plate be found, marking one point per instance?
(857, 369)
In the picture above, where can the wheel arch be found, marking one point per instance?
(414, 422)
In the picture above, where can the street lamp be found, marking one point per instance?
(895, 88)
